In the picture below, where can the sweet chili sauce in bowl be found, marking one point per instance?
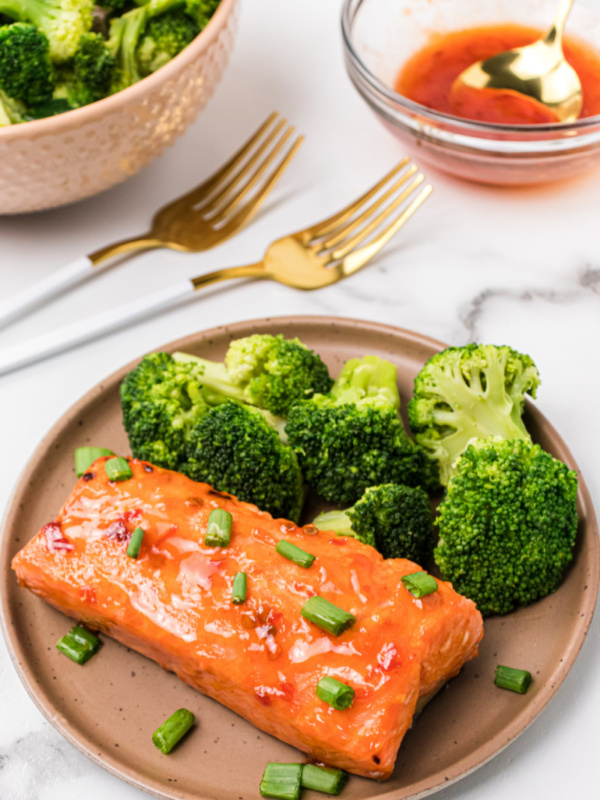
(403, 56)
(428, 76)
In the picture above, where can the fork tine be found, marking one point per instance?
(327, 225)
(351, 243)
(340, 234)
(196, 194)
(358, 258)
(252, 206)
(243, 184)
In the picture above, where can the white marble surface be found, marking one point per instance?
(521, 267)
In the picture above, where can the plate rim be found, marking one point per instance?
(438, 780)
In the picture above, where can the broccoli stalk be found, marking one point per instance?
(11, 111)
(507, 524)
(270, 372)
(26, 72)
(353, 438)
(62, 21)
(466, 393)
(395, 519)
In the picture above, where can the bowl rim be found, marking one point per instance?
(60, 123)
(350, 9)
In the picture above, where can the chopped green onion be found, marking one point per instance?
(283, 781)
(240, 584)
(79, 644)
(172, 730)
(339, 695)
(135, 543)
(218, 532)
(323, 779)
(517, 680)
(327, 616)
(420, 584)
(118, 469)
(295, 554)
(85, 457)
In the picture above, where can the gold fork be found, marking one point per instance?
(203, 218)
(317, 256)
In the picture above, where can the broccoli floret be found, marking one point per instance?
(267, 371)
(116, 5)
(93, 70)
(352, 438)
(62, 21)
(26, 72)
(163, 38)
(234, 450)
(201, 10)
(507, 524)
(11, 111)
(466, 393)
(395, 519)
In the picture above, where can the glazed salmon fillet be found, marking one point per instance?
(262, 659)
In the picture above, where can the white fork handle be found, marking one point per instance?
(54, 284)
(71, 335)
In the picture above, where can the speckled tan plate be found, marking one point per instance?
(110, 707)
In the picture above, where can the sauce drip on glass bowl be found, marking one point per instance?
(427, 77)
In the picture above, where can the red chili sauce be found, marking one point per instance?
(427, 77)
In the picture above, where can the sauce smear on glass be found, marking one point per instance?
(427, 77)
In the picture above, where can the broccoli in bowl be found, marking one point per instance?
(59, 55)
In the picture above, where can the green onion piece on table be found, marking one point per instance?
(327, 616)
(135, 543)
(420, 584)
(173, 730)
(283, 781)
(85, 457)
(79, 644)
(323, 779)
(218, 532)
(240, 584)
(339, 695)
(117, 469)
(517, 680)
(295, 554)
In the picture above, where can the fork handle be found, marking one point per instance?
(54, 284)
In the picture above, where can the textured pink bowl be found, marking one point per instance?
(54, 161)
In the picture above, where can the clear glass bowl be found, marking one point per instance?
(380, 35)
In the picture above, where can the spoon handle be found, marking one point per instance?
(556, 31)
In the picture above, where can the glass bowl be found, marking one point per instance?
(379, 37)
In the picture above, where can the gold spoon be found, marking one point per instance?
(539, 71)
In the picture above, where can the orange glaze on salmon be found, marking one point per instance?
(262, 659)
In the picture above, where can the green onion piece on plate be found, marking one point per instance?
(339, 695)
(173, 730)
(323, 779)
(85, 457)
(283, 781)
(117, 469)
(327, 616)
(218, 532)
(135, 543)
(517, 680)
(79, 644)
(295, 554)
(240, 584)
(420, 584)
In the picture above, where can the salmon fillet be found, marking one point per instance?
(262, 659)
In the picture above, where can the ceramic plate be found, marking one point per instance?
(110, 707)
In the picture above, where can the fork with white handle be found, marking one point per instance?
(203, 218)
(312, 258)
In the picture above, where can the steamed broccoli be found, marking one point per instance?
(395, 519)
(62, 21)
(125, 33)
(235, 450)
(164, 37)
(26, 72)
(507, 524)
(11, 111)
(201, 10)
(267, 371)
(466, 393)
(352, 438)
(93, 70)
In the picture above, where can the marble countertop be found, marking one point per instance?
(497, 265)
